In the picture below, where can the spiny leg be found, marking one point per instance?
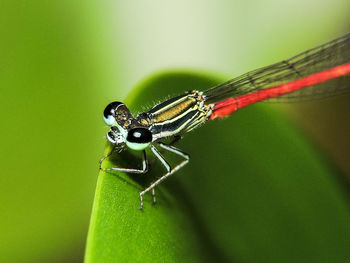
(106, 156)
(130, 170)
(167, 166)
(175, 139)
(154, 200)
(174, 150)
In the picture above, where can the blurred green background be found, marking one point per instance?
(62, 62)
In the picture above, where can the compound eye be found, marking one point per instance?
(111, 137)
(139, 135)
(109, 112)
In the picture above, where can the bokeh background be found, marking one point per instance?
(62, 62)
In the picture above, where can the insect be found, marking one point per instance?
(316, 73)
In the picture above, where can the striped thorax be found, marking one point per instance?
(177, 115)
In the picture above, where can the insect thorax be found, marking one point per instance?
(177, 115)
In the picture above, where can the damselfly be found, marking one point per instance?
(317, 73)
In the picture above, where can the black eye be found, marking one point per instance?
(139, 135)
(111, 137)
(108, 113)
(111, 107)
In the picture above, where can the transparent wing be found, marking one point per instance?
(323, 57)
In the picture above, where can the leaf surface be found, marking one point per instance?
(255, 190)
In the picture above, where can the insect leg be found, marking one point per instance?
(167, 166)
(107, 155)
(130, 170)
(154, 200)
(175, 150)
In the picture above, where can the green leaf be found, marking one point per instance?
(255, 190)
